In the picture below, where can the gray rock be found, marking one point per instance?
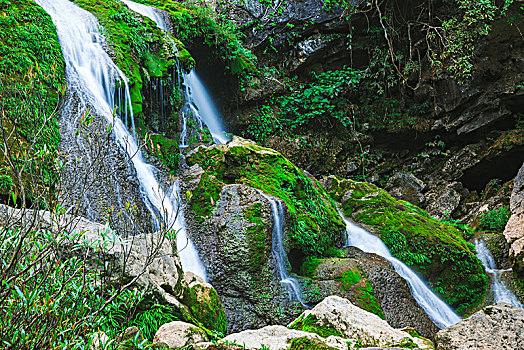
(390, 290)
(178, 334)
(408, 187)
(443, 203)
(237, 252)
(496, 327)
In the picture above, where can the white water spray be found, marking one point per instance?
(500, 291)
(200, 104)
(438, 311)
(92, 75)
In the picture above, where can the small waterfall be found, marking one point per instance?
(93, 77)
(500, 291)
(277, 247)
(147, 11)
(200, 106)
(438, 311)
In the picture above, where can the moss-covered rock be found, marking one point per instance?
(203, 301)
(306, 343)
(314, 226)
(436, 250)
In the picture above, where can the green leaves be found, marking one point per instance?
(495, 220)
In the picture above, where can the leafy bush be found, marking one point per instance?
(5, 182)
(495, 220)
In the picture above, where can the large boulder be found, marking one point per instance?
(514, 231)
(496, 327)
(408, 187)
(435, 249)
(227, 191)
(179, 334)
(337, 316)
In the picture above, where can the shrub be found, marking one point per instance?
(495, 220)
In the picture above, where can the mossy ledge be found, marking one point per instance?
(436, 250)
(313, 225)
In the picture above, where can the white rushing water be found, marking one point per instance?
(277, 248)
(92, 75)
(147, 11)
(500, 291)
(438, 311)
(200, 104)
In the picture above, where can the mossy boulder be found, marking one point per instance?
(203, 301)
(435, 249)
(313, 225)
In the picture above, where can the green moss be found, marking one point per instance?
(314, 226)
(257, 238)
(309, 266)
(365, 299)
(195, 24)
(309, 323)
(206, 307)
(32, 75)
(165, 149)
(350, 278)
(437, 250)
(205, 196)
(305, 343)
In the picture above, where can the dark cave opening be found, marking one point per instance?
(504, 168)
(296, 258)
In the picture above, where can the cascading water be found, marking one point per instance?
(279, 254)
(147, 11)
(500, 291)
(93, 76)
(438, 311)
(200, 106)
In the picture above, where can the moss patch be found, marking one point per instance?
(436, 250)
(305, 343)
(206, 307)
(32, 74)
(257, 238)
(314, 226)
(310, 323)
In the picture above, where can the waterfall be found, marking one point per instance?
(277, 248)
(147, 11)
(500, 291)
(199, 105)
(93, 76)
(438, 311)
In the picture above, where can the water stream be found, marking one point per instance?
(277, 247)
(438, 311)
(200, 106)
(500, 291)
(93, 76)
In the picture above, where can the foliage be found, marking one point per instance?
(321, 102)
(495, 220)
(197, 24)
(150, 316)
(31, 81)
